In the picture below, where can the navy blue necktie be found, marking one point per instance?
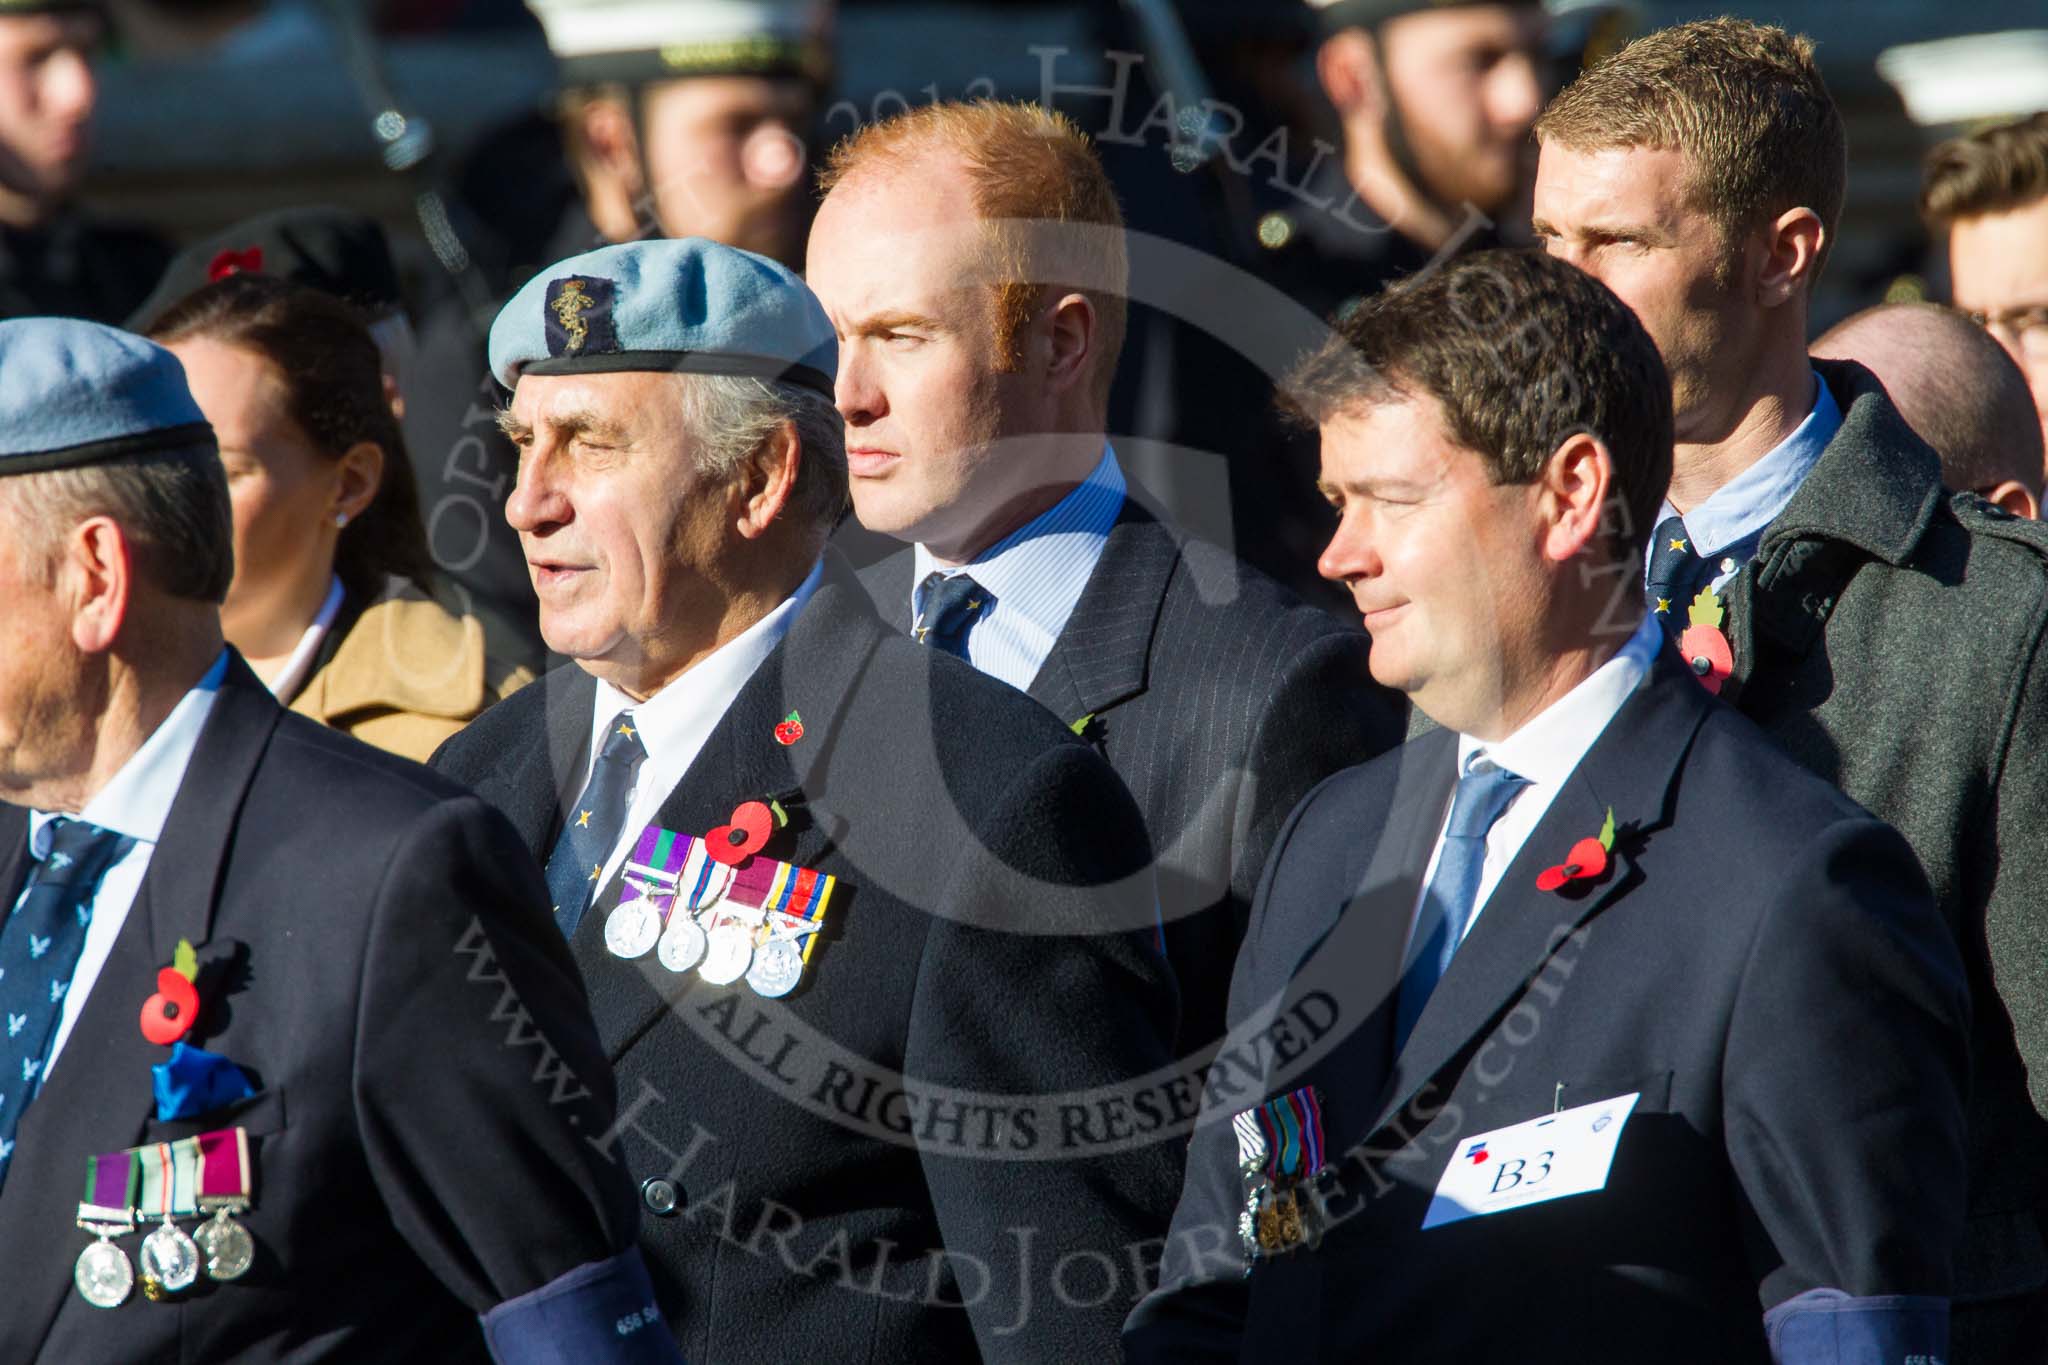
(1677, 573)
(951, 607)
(1448, 901)
(39, 948)
(593, 826)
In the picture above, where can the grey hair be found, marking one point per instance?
(730, 418)
(171, 504)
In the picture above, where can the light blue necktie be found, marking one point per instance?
(1448, 901)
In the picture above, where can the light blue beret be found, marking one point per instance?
(75, 393)
(690, 307)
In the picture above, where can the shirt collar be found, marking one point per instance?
(1029, 572)
(680, 710)
(1549, 745)
(1741, 508)
(137, 800)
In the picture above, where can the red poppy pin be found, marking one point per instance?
(746, 833)
(169, 1015)
(1586, 862)
(1703, 647)
(248, 261)
(789, 729)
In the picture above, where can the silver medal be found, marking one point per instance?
(682, 943)
(777, 968)
(227, 1246)
(728, 950)
(103, 1276)
(631, 929)
(170, 1258)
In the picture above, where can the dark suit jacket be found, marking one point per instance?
(376, 952)
(1893, 637)
(1220, 699)
(1762, 963)
(921, 1123)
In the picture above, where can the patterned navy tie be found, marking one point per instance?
(1447, 903)
(593, 825)
(951, 607)
(39, 948)
(1676, 574)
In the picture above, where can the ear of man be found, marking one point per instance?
(96, 576)
(767, 482)
(1068, 334)
(613, 180)
(1348, 66)
(2016, 498)
(1790, 247)
(1572, 493)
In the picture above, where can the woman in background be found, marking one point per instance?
(330, 601)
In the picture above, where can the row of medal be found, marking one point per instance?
(1280, 1154)
(757, 920)
(192, 1178)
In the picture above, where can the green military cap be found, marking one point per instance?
(600, 41)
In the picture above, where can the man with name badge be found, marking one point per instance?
(1655, 1045)
(867, 939)
(212, 904)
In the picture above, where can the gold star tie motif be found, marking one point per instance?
(1678, 545)
(595, 868)
(583, 820)
(627, 730)
(1663, 605)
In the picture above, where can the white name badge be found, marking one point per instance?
(1548, 1158)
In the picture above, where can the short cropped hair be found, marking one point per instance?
(1521, 351)
(1955, 386)
(1990, 171)
(1025, 163)
(171, 505)
(1744, 102)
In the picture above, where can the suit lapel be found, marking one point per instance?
(544, 779)
(1629, 769)
(812, 672)
(99, 1093)
(1103, 655)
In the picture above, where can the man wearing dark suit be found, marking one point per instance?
(1891, 635)
(922, 1143)
(1634, 1040)
(974, 403)
(368, 1044)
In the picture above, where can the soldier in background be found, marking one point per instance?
(53, 258)
(691, 120)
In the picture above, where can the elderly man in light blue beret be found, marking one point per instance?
(869, 936)
(211, 902)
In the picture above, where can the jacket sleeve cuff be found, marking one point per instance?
(1830, 1327)
(603, 1311)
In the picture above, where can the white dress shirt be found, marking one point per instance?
(1033, 577)
(1545, 751)
(674, 723)
(1731, 521)
(134, 804)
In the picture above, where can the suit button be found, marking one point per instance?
(661, 1196)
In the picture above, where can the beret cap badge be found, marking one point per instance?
(579, 317)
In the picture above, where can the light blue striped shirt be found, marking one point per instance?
(1033, 577)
